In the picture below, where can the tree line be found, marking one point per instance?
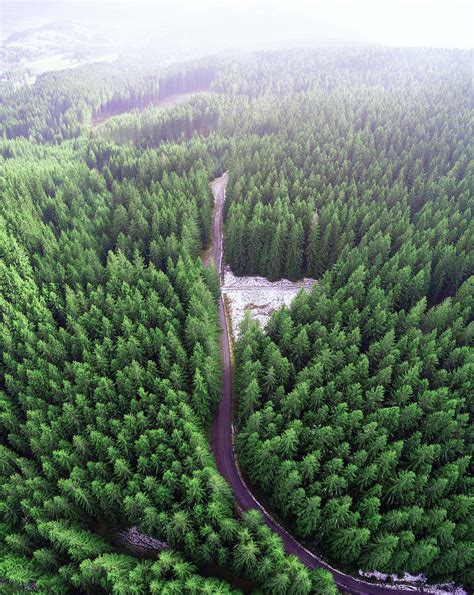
(60, 105)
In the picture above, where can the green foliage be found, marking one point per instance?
(362, 443)
(61, 105)
(351, 166)
(110, 368)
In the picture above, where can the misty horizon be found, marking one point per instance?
(214, 26)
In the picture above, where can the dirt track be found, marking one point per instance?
(223, 437)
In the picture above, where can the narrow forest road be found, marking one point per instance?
(223, 433)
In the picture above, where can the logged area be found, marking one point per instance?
(167, 101)
(258, 296)
(328, 445)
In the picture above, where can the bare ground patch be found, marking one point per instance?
(164, 102)
(259, 296)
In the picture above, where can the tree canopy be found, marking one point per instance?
(348, 165)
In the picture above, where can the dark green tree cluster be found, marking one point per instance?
(353, 161)
(354, 404)
(109, 376)
(355, 422)
(60, 105)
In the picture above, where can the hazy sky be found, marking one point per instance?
(443, 23)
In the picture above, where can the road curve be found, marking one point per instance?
(223, 434)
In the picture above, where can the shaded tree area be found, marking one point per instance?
(110, 374)
(199, 116)
(190, 78)
(351, 166)
(354, 404)
(60, 105)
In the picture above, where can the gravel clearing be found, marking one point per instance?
(258, 295)
(416, 583)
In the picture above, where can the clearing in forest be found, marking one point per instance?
(258, 295)
(162, 102)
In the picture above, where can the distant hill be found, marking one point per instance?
(28, 52)
(65, 30)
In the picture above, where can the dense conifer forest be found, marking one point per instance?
(351, 166)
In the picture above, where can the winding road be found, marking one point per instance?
(223, 434)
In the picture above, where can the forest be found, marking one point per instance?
(354, 403)
(351, 166)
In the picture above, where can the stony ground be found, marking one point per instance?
(258, 295)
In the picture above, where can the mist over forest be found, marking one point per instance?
(52, 35)
(236, 297)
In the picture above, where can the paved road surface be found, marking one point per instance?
(223, 443)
